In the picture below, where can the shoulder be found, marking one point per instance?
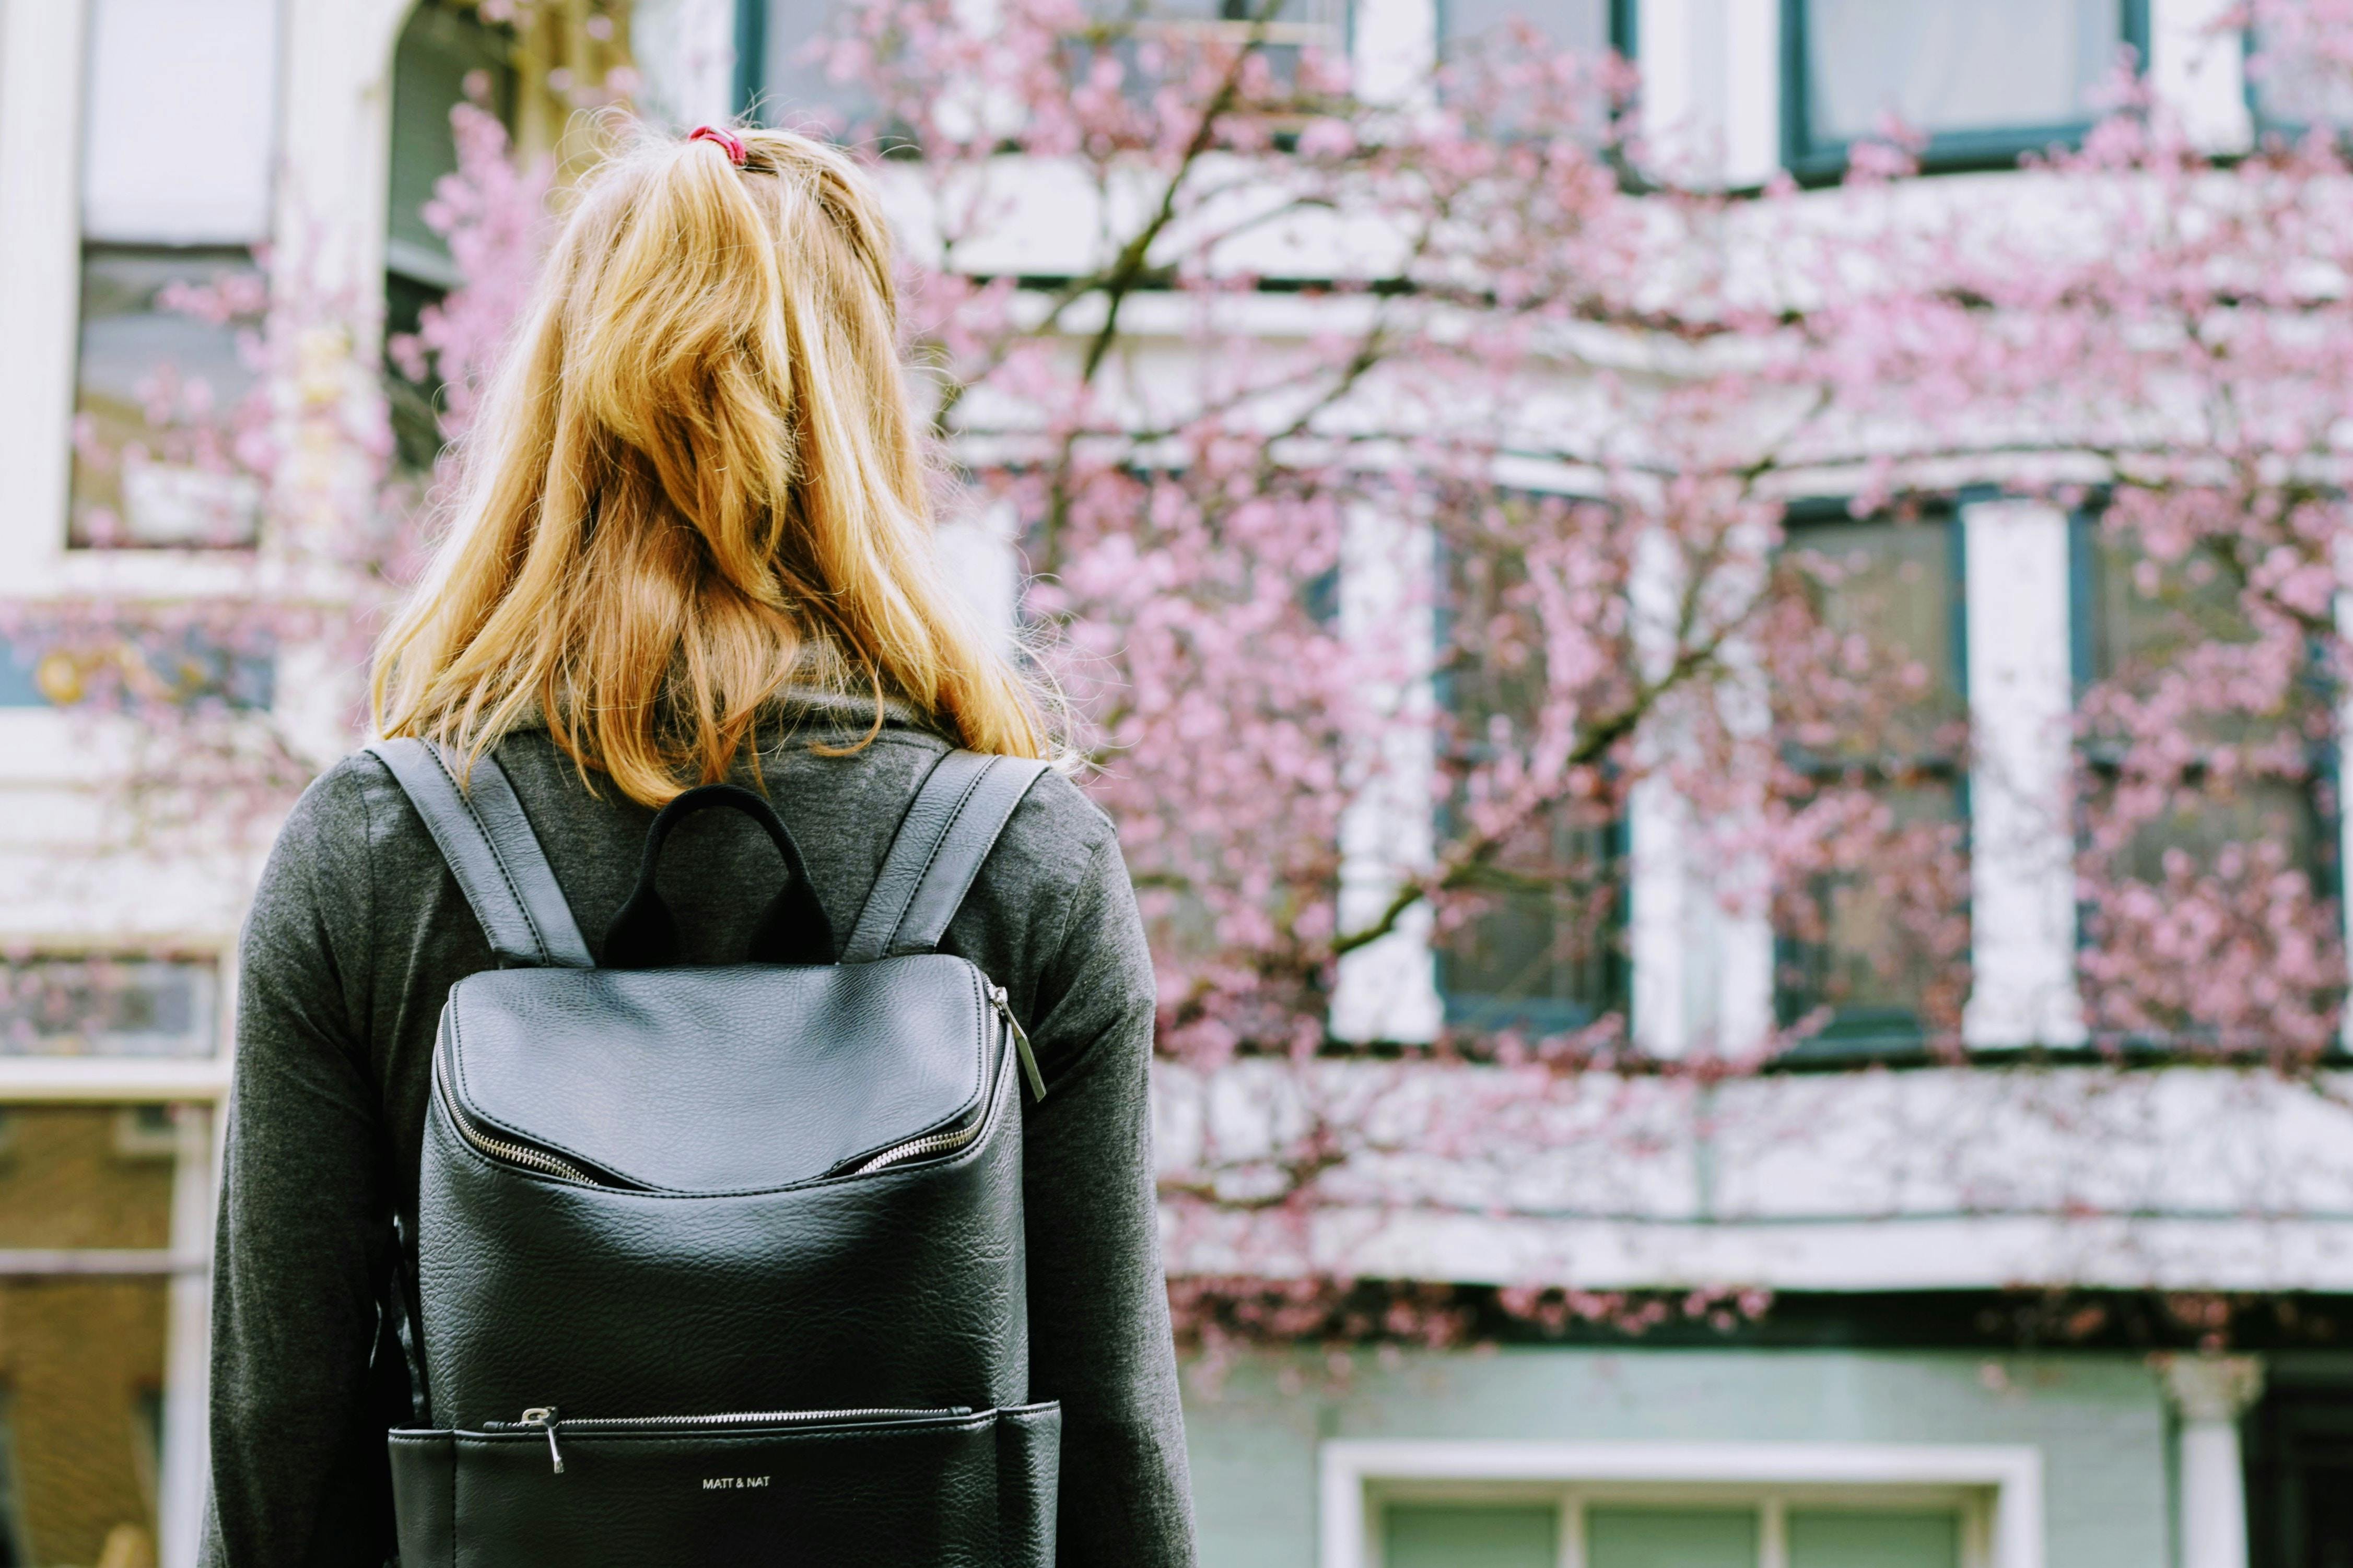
(331, 817)
(1057, 837)
(316, 895)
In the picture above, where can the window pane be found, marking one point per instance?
(107, 1007)
(445, 56)
(1540, 956)
(2293, 86)
(82, 1357)
(156, 388)
(2145, 616)
(1536, 947)
(1450, 1535)
(1579, 25)
(1669, 1538)
(1894, 585)
(1944, 66)
(796, 91)
(182, 121)
(1826, 1538)
(1872, 967)
(1877, 950)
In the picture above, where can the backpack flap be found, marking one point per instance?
(721, 1079)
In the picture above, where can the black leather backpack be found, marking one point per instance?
(722, 1265)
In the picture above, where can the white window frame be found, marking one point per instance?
(1998, 1489)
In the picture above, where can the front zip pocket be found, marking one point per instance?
(545, 1418)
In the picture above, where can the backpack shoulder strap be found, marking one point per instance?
(950, 826)
(492, 851)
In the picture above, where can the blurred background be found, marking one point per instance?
(1716, 627)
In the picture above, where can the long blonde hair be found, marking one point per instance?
(695, 482)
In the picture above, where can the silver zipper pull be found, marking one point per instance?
(544, 1416)
(1020, 1041)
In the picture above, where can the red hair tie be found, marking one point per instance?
(728, 142)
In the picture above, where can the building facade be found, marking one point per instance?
(1961, 1366)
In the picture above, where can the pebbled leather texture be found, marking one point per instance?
(1028, 1466)
(904, 1288)
(491, 852)
(721, 1079)
(963, 804)
(943, 1492)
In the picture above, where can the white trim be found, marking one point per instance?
(113, 1081)
(42, 77)
(1752, 90)
(1354, 1471)
(1394, 47)
(2199, 72)
(187, 1461)
(2016, 604)
(1388, 989)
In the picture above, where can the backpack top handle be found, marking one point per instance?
(793, 930)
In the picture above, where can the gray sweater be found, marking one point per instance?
(355, 937)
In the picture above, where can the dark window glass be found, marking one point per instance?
(1538, 945)
(2138, 617)
(446, 56)
(1984, 79)
(2300, 1469)
(1848, 943)
(793, 90)
(158, 383)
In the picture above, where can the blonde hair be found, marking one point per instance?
(696, 480)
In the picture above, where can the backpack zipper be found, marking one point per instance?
(949, 1140)
(1020, 1041)
(513, 1154)
(544, 1419)
(532, 1158)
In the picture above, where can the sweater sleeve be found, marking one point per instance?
(303, 1235)
(1098, 1331)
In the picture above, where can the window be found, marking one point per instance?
(446, 55)
(1984, 79)
(1537, 945)
(107, 1007)
(2291, 88)
(1607, 1527)
(2300, 1468)
(1410, 1503)
(46, 663)
(179, 147)
(1876, 950)
(2136, 620)
(782, 85)
(1581, 26)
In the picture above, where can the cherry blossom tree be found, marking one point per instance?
(1403, 488)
